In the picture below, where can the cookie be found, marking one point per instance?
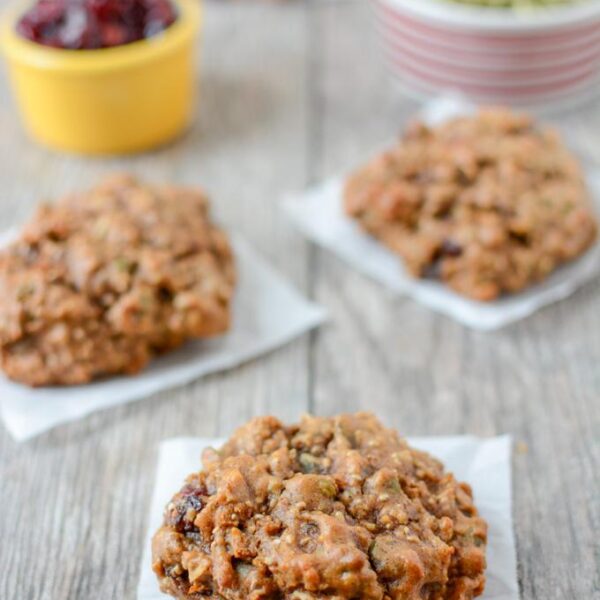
(100, 282)
(338, 508)
(488, 204)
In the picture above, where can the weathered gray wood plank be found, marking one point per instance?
(74, 501)
(292, 93)
(537, 380)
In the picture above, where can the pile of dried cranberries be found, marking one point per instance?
(89, 24)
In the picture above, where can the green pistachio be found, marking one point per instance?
(328, 487)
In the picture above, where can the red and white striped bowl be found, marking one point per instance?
(541, 57)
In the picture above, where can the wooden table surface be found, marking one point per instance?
(290, 94)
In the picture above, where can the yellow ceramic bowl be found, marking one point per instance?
(107, 101)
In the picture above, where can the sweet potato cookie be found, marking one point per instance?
(488, 204)
(337, 508)
(100, 282)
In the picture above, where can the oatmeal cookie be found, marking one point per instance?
(333, 508)
(100, 282)
(488, 204)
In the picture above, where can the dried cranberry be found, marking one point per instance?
(188, 502)
(89, 24)
(451, 248)
(113, 34)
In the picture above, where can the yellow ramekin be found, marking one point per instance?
(107, 101)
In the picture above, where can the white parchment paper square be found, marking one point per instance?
(318, 213)
(267, 313)
(484, 463)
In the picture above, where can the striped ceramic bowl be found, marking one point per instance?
(538, 57)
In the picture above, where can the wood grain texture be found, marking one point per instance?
(292, 93)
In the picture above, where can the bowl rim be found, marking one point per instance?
(500, 20)
(454, 41)
(24, 51)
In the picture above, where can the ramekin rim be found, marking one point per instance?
(497, 20)
(18, 48)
